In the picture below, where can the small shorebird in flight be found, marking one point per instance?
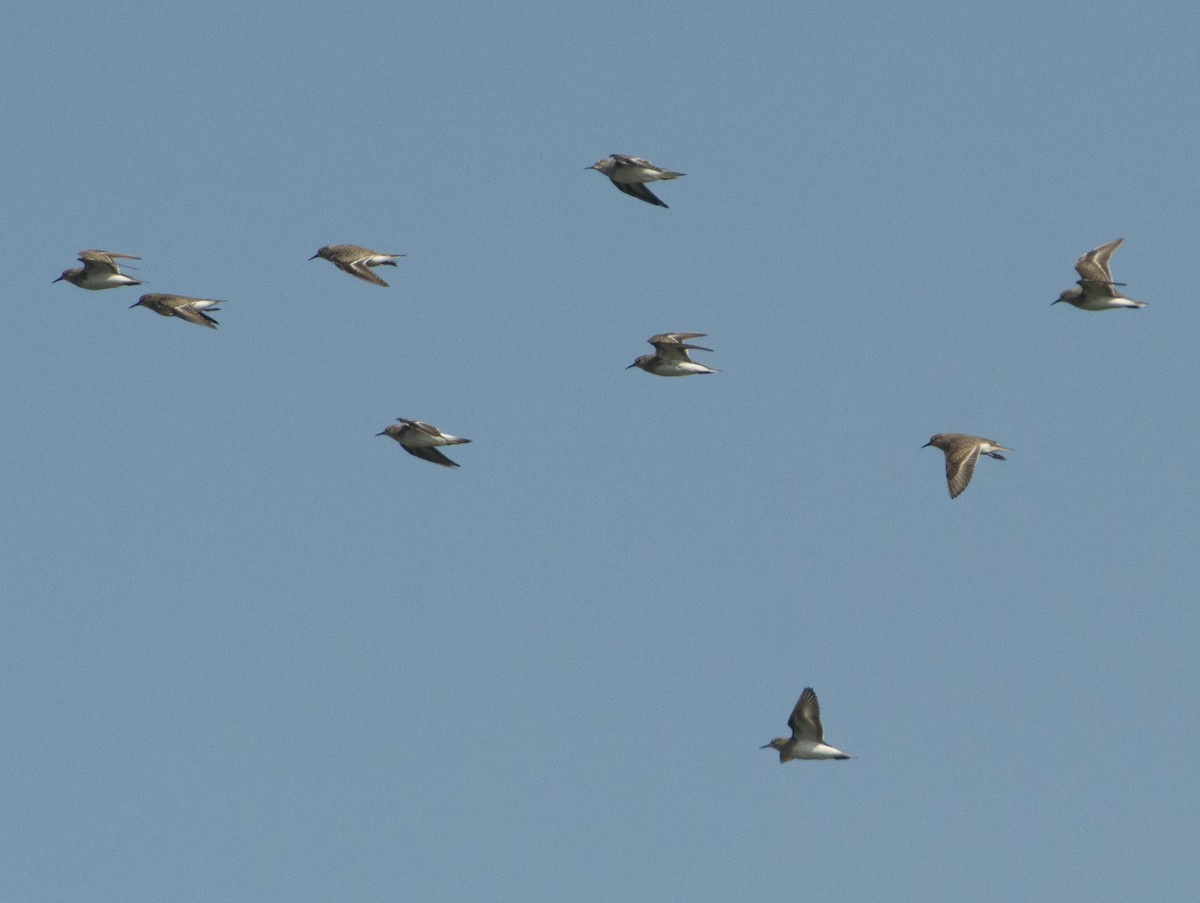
(99, 271)
(808, 737)
(355, 260)
(190, 309)
(962, 454)
(630, 175)
(1095, 288)
(422, 440)
(670, 356)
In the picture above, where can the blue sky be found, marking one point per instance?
(252, 652)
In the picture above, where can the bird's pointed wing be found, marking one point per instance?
(104, 265)
(429, 453)
(672, 345)
(806, 718)
(360, 269)
(676, 338)
(194, 314)
(640, 191)
(960, 467)
(1093, 266)
(104, 255)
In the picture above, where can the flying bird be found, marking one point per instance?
(670, 356)
(422, 440)
(630, 175)
(1095, 288)
(356, 260)
(962, 453)
(99, 271)
(808, 737)
(190, 309)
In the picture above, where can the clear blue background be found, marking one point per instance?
(252, 652)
